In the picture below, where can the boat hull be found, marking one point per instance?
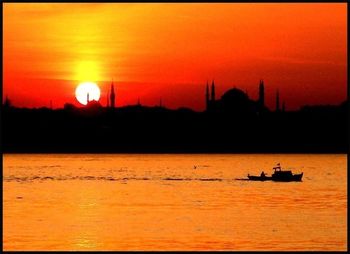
(277, 178)
(259, 178)
(292, 178)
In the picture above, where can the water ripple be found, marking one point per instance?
(101, 178)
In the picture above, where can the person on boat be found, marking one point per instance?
(262, 174)
(278, 167)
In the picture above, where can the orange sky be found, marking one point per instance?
(171, 50)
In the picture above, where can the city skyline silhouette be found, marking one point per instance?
(199, 77)
(109, 101)
(230, 123)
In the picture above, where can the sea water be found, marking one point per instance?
(172, 202)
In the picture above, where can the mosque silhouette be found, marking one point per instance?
(233, 123)
(237, 101)
(233, 101)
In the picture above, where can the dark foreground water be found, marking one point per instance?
(172, 202)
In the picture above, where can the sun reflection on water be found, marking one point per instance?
(85, 243)
(87, 212)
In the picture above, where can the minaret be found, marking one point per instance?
(87, 99)
(212, 91)
(107, 99)
(261, 94)
(138, 102)
(207, 99)
(277, 101)
(7, 102)
(112, 96)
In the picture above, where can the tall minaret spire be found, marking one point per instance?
(212, 91)
(87, 99)
(7, 102)
(108, 99)
(277, 101)
(112, 96)
(207, 98)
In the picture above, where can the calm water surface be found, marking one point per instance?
(162, 202)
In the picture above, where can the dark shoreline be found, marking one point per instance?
(163, 151)
(138, 129)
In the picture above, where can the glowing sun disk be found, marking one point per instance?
(87, 91)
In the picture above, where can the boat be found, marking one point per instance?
(278, 175)
(285, 175)
(259, 178)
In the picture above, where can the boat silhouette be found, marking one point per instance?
(278, 175)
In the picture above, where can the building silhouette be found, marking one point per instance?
(108, 99)
(213, 91)
(210, 98)
(234, 125)
(7, 102)
(207, 98)
(236, 101)
(112, 96)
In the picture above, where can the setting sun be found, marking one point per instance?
(87, 91)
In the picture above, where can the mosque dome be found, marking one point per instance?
(235, 95)
(236, 100)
